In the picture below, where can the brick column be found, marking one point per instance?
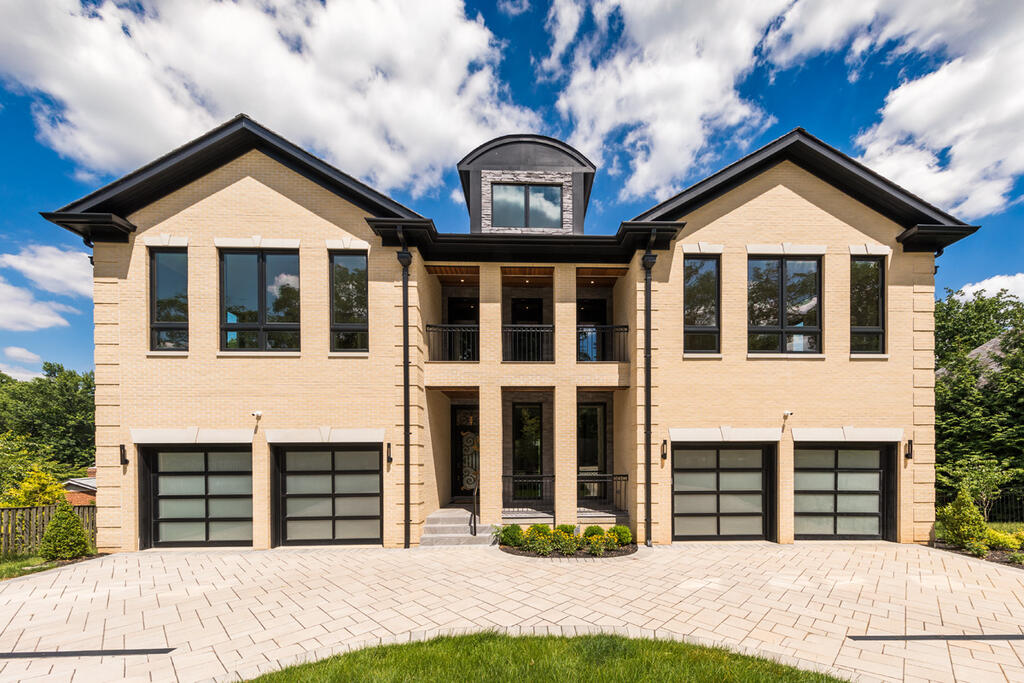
(784, 504)
(565, 454)
(490, 314)
(261, 520)
(490, 454)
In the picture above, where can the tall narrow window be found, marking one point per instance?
(259, 300)
(526, 436)
(349, 302)
(168, 291)
(526, 206)
(590, 438)
(701, 296)
(867, 305)
(784, 305)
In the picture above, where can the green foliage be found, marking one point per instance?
(55, 412)
(982, 478)
(977, 548)
(511, 535)
(37, 488)
(540, 529)
(592, 530)
(622, 533)
(65, 537)
(538, 540)
(999, 540)
(565, 543)
(962, 522)
(1016, 558)
(566, 528)
(596, 543)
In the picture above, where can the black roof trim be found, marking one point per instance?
(824, 161)
(212, 150)
(534, 138)
(93, 227)
(933, 237)
(434, 246)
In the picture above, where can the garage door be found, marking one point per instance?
(201, 497)
(839, 492)
(331, 496)
(720, 493)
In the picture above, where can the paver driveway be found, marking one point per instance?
(231, 614)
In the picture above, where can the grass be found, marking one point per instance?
(494, 657)
(19, 565)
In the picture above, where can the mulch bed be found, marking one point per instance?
(555, 555)
(996, 556)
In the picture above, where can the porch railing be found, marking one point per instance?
(602, 343)
(605, 492)
(528, 492)
(453, 342)
(528, 342)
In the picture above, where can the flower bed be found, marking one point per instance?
(541, 541)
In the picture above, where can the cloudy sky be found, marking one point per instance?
(657, 93)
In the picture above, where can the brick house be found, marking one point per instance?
(286, 356)
(81, 490)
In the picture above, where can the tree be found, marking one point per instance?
(980, 478)
(56, 412)
(37, 488)
(963, 324)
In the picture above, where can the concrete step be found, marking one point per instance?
(448, 514)
(445, 528)
(457, 539)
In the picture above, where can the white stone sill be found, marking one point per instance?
(702, 356)
(348, 354)
(259, 354)
(785, 356)
(167, 354)
(869, 356)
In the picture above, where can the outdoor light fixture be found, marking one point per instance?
(664, 449)
(910, 449)
(389, 453)
(124, 455)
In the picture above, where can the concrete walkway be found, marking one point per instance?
(235, 614)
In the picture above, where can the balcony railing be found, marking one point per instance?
(605, 492)
(528, 492)
(602, 343)
(453, 342)
(528, 342)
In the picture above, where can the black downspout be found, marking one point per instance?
(405, 258)
(647, 261)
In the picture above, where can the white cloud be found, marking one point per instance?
(22, 355)
(952, 135)
(458, 197)
(562, 22)
(393, 91)
(20, 311)
(1014, 284)
(513, 8)
(18, 372)
(53, 270)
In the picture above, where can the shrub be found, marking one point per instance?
(976, 548)
(541, 529)
(611, 541)
(622, 533)
(999, 540)
(566, 529)
(962, 521)
(511, 535)
(593, 530)
(595, 542)
(566, 544)
(37, 488)
(1016, 558)
(64, 538)
(538, 540)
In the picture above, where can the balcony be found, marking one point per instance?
(600, 493)
(453, 342)
(528, 343)
(602, 343)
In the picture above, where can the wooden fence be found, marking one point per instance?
(21, 529)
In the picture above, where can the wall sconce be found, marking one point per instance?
(664, 449)
(389, 453)
(124, 455)
(909, 455)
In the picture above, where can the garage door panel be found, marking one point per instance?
(839, 492)
(719, 492)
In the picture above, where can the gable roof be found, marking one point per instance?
(101, 214)
(926, 227)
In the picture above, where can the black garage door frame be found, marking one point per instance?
(277, 490)
(888, 500)
(769, 486)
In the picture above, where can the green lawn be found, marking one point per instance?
(19, 565)
(493, 657)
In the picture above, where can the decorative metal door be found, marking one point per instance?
(465, 450)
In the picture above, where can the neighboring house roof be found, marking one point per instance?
(81, 484)
(989, 354)
(926, 227)
(102, 214)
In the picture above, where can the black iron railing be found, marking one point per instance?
(528, 342)
(602, 343)
(1008, 507)
(453, 342)
(475, 513)
(601, 491)
(528, 492)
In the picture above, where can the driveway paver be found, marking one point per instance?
(236, 614)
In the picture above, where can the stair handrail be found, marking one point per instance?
(476, 505)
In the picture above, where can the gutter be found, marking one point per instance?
(405, 259)
(647, 261)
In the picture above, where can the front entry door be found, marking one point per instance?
(465, 450)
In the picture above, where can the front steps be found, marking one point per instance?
(450, 526)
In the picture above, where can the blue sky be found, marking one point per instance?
(657, 93)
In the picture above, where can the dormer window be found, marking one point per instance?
(526, 206)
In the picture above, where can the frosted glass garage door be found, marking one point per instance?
(202, 497)
(838, 492)
(718, 493)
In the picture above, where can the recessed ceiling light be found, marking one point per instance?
(527, 282)
(591, 282)
(462, 280)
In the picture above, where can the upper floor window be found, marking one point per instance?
(526, 206)
(259, 300)
(349, 302)
(867, 304)
(701, 296)
(783, 304)
(168, 295)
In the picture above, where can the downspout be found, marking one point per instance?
(647, 261)
(405, 259)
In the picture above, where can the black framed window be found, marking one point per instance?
(784, 304)
(168, 295)
(701, 304)
(527, 430)
(526, 206)
(590, 438)
(350, 329)
(259, 300)
(867, 304)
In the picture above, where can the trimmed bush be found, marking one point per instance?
(540, 529)
(593, 530)
(622, 533)
(566, 529)
(566, 544)
(962, 522)
(64, 538)
(511, 535)
(538, 540)
(595, 543)
(999, 540)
